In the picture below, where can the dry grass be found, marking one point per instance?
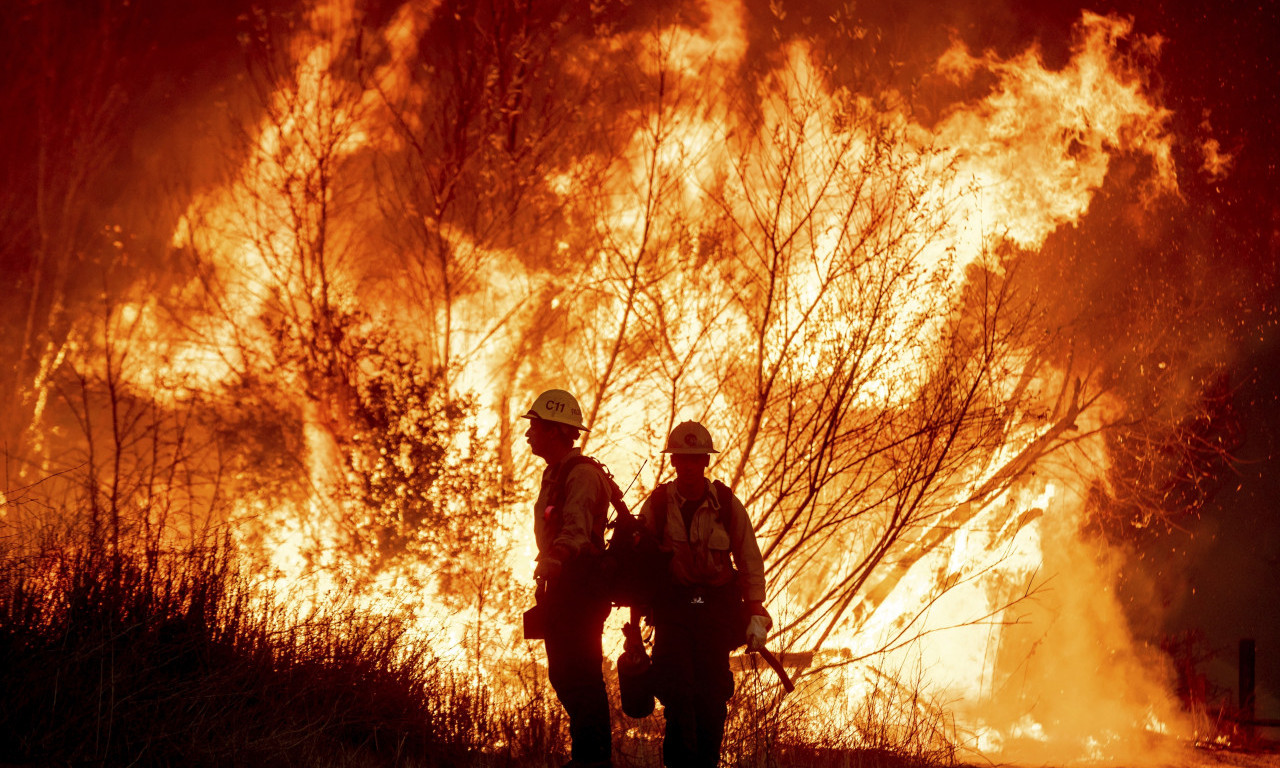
(162, 658)
(819, 726)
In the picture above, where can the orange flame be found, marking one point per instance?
(1054, 676)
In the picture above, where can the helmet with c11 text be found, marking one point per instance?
(558, 406)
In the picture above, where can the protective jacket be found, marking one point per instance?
(705, 553)
(578, 526)
(699, 616)
(576, 603)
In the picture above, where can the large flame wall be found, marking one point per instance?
(877, 287)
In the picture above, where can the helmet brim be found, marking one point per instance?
(531, 416)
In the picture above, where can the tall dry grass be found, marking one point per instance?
(166, 658)
(891, 724)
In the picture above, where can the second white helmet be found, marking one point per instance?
(689, 437)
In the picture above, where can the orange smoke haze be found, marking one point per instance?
(939, 301)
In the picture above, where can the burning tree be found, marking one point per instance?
(429, 214)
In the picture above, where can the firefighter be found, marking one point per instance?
(710, 602)
(570, 538)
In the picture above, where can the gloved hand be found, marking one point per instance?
(551, 562)
(757, 631)
(548, 568)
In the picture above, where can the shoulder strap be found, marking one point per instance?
(724, 495)
(659, 499)
(558, 489)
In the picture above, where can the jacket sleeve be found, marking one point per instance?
(586, 501)
(746, 554)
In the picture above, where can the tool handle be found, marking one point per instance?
(772, 661)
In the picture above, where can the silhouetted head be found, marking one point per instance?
(555, 421)
(690, 448)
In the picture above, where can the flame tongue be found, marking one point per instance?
(694, 246)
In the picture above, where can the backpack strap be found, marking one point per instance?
(724, 497)
(560, 487)
(725, 514)
(659, 498)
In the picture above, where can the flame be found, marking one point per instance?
(992, 594)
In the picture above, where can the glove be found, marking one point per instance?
(551, 562)
(757, 631)
(548, 568)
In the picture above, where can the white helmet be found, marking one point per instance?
(558, 406)
(689, 437)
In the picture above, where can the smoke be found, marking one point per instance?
(646, 201)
